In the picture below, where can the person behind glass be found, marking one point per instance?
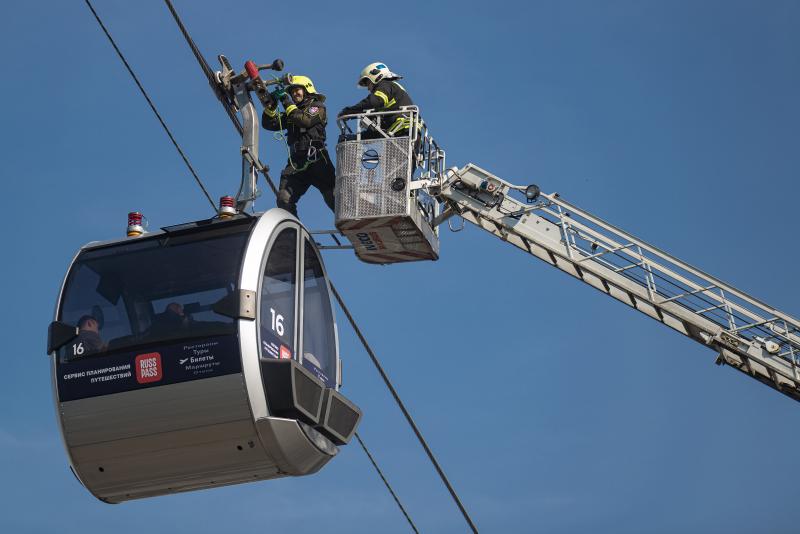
(385, 94)
(171, 320)
(174, 317)
(89, 335)
(304, 118)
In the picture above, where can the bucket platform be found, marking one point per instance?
(382, 207)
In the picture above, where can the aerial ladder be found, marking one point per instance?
(747, 334)
(394, 193)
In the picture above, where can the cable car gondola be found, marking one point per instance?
(201, 355)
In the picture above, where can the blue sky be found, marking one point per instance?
(551, 407)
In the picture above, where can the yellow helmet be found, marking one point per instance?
(300, 81)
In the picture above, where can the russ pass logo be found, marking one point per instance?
(148, 368)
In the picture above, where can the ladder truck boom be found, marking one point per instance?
(746, 333)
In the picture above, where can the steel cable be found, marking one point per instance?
(212, 81)
(263, 169)
(152, 106)
(403, 409)
(386, 483)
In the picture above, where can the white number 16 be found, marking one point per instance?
(277, 323)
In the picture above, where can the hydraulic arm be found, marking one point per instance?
(747, 334)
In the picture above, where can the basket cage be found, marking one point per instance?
(382, 175)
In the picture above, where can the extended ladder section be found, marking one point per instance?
(746, 333)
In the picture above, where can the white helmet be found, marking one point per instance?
(375, 72)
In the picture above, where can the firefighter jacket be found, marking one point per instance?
(304, 124)
(385, 96)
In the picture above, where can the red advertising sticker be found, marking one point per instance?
(148, 367)
(377, 239)
(286, 353)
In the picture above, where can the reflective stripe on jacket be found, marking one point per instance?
(304, 124)
(385, 96)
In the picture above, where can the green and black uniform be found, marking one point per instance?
(386, 96)
(309, 163)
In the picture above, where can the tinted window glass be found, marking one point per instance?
(151, 290)
(278, 297)
(319, 341)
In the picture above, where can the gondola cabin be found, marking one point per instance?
(201, 355)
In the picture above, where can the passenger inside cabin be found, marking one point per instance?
(89, 335)
(172, 319)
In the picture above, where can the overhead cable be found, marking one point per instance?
(386, 483)
(370, 352)
(152, 106)
(403, 409)
(212, 81)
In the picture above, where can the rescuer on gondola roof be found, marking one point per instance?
(304, 118)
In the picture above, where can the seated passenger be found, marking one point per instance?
(172, 319)
(89, 336)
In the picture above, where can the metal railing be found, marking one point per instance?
(668, 279)
(426, 161)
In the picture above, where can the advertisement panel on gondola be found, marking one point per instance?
(96, 375)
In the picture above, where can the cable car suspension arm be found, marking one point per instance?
(230, 109)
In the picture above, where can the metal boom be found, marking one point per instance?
(747, 334)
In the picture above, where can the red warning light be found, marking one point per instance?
(227, 207)
(135, 224)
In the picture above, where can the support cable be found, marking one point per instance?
(260, 167)
(152, 106)
(212, 81)
(403, 409)
(263, 168)
(386, 483)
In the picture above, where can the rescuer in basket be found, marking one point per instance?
(385, 94)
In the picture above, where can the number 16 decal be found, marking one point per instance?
(277, 322)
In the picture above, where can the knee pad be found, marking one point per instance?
(284, 198)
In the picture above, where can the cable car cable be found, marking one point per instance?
(205, 66)
(403, 409)
(263, 168)
(213, 83)
(152, 106)
(386, 483)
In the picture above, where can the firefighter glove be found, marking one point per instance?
(278, 93)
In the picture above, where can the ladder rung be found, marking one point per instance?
(688, 293)
(615, 249)
(712, 308)
(631, 266)
(753, 325)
